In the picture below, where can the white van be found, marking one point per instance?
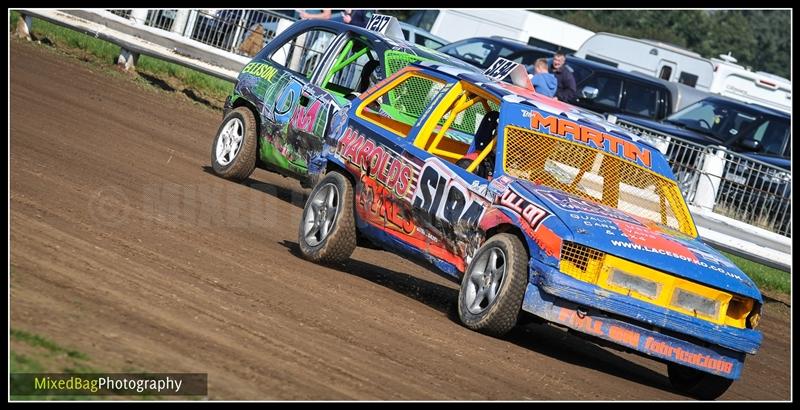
(657, 59)
(737, 82)
(532, 28)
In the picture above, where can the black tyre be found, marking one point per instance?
(233, 153)
(493, 286)
(327, 231)
(696, 383)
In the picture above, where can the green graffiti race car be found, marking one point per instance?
(280, 108)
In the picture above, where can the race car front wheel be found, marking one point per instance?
(327, 231)
(233, 153)
(493, 286)
(696, 383)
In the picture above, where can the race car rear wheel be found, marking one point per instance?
(233, 153)
(493, 286)
(327, 231)
(696, 383)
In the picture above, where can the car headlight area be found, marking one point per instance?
(656, 287)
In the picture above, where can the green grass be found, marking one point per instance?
(39, 341)
(105, 53)
(47, 352)
(46, 360)
(764, 276)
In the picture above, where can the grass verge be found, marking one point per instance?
(764, 276)
(198, 86)
(31, 353)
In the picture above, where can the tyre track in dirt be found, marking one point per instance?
(126, 248)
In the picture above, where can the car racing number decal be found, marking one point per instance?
(531, 213)
(443, 196)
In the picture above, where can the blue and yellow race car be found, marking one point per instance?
(533, 205)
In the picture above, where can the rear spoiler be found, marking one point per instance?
(386, 25)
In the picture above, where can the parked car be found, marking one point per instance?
(483, 51)
(609, 90)
(759, 181)
(421, 37)
(533, 208)
(281, 105)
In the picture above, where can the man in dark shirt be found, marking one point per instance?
(566, 90)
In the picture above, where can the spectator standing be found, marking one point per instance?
(543, 82)
(566, 81)
(358, 17)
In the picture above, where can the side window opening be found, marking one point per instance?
(608, 90)
(465, 134)
(640, 99)
(354, 70)
(397, 106)
(304, 52)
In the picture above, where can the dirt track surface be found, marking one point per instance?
(124, 247)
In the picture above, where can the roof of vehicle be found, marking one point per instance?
(595, 66)
(378, 38)
(516, 45)
(653, 43)
(416, 29)
(748, 106)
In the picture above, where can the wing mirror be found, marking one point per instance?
(589, 92)
(749, 144)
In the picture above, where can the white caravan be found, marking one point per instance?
(735, 81)
(532, 28)
(649, 57)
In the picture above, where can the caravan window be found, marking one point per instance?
(688, 79)
(666, 73)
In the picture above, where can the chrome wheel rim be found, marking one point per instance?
(230, 141)
(485, 279)
(320, 214)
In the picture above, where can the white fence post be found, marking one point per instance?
(283, 24)
(179, 24)
(24, 27)
(710, 177)
(127, 59)
(138, 16)
(191, 20)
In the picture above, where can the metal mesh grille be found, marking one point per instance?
(581, 262)
(595, 175)
(412, 96)
(468, 120)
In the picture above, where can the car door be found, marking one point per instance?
(445, 202)
(289, 104)
(346, 69)
(376, 148)
(600, 92)
(641, 100)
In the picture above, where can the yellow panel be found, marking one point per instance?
(668, 283)
(593, 266)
